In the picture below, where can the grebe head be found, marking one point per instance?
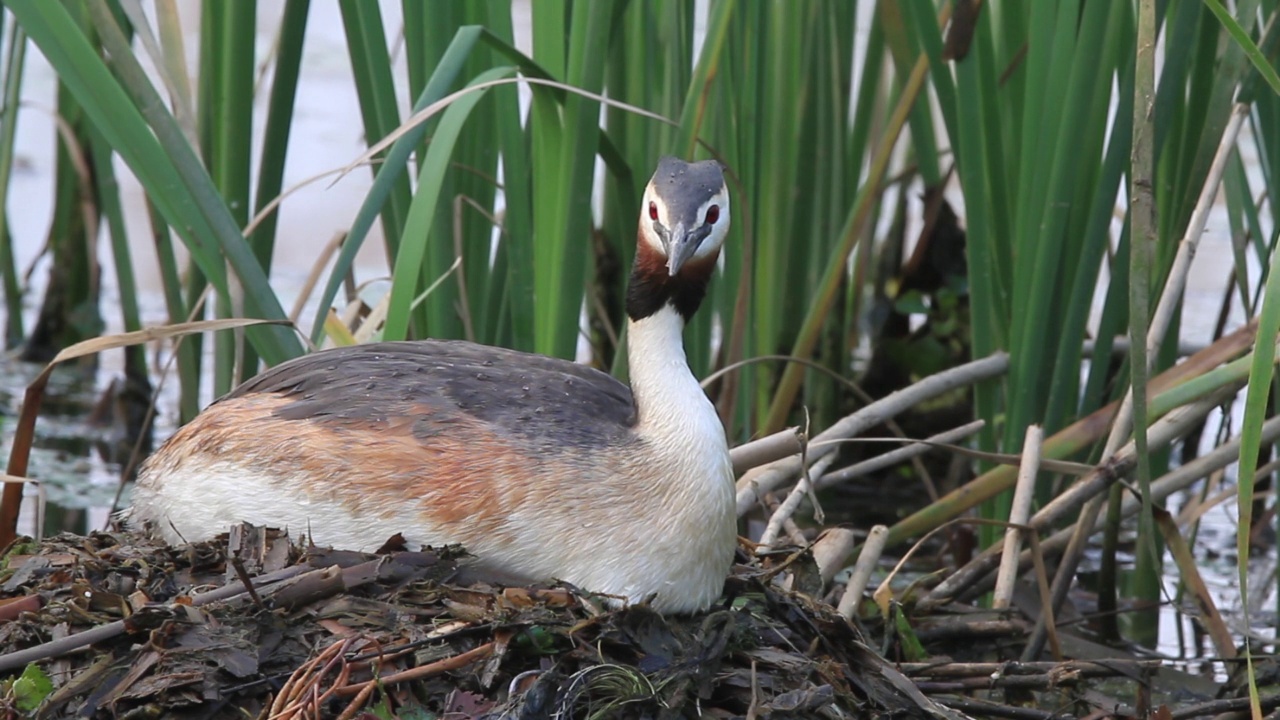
(684, 219)
(685, 212)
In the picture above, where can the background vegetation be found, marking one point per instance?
(915, 184)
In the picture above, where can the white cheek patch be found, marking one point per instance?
(651, 236)
(711, 244)
(646, 225)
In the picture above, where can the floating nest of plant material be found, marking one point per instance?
(117, 625)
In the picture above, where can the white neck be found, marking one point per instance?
(668, 396)
(686, 493)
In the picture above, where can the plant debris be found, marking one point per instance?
(172, 632)
(118, 625)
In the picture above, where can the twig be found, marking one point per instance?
(1069, 439)
(794, 533)
(424, 671)
(809, 475)
(830, 551)
(753, 709)
(1217, 707)
(54, 648)
(867, 560)
(767, 449)
(893, 457)
(1120, 347)
(1047, 681)
(990, 709)
(1175, 424)
(303, 686)
(853, 387)
(1171, 297)
(285, 703)
(978, 580)
(1042, 583)
(1182, 556)
(1086, 668)
(789, 506)
(308, 587)
(1176, 481)
(780, 471)
(358, 702)
(141, 664)
(960, 628)
(243, 574)
(1023, 493)
(238, 588)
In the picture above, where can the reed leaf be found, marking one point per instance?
(371, 66)
(425, 206)
(564, 149)
(279, 123)
(389, 174)
(164, 162)
(227, 108)
(15, 47)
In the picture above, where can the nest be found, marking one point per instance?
(250, 625)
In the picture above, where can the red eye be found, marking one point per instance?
(653, 210)
(713, 214)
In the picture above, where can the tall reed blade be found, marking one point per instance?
(15, 46)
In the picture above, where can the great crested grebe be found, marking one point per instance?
(541, 468)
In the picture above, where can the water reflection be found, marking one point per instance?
(82, 443)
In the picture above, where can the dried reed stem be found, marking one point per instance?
(424, 671)
(894, 457)
(831, 550)
(1023, 494)
(765, 479)
(867, 560)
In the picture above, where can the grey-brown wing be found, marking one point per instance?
(531, 396)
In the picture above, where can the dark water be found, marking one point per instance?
(70, 456)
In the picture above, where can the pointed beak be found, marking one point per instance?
(680, 247)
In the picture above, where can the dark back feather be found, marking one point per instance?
(533, 397)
